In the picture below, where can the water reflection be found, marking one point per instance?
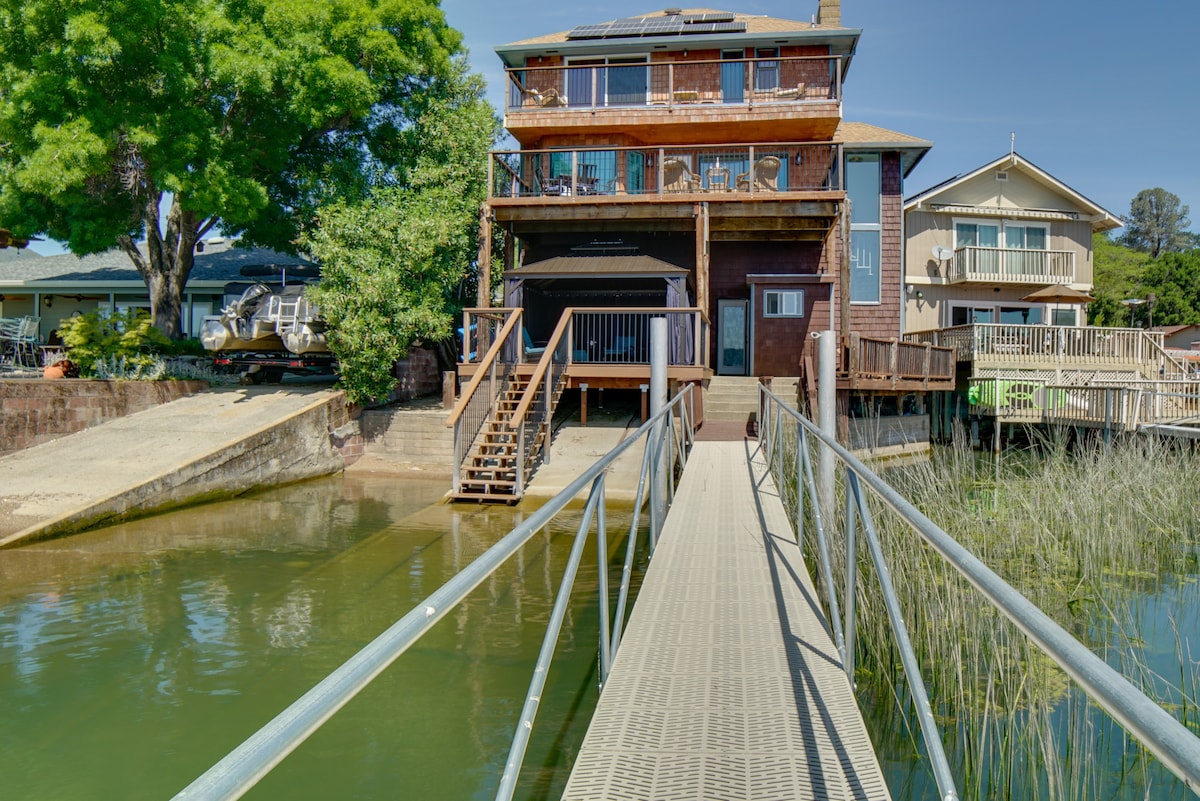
(134, 657)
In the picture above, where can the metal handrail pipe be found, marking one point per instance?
(908, 657)
(537, 684)
(839, 637)
(630, 550)
(1161, 734)
(244, 766)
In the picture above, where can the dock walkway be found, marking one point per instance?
(727, 684)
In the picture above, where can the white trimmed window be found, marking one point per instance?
(783, 303)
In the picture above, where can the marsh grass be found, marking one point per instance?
(1087, 533)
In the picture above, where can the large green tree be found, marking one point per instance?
(1174, 280)
(248, 115)
(1117, 275)
(395, 264)
(1157, 223)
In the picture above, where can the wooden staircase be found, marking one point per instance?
(489, 471)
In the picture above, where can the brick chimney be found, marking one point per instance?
(830, 13)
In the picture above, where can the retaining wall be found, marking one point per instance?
(33, 411)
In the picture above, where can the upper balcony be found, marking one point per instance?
(678, 102)
(1011, 266)
(770, 170)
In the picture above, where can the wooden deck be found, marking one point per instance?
(727, 684)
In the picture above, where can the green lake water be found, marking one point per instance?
(134, 657)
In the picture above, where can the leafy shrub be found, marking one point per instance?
(99, 341)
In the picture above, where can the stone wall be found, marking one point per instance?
(418, 375)
(35, 410)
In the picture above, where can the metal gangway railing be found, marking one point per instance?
(787, 440)
(666, 437)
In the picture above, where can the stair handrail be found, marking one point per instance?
(1158, 350)
(539, 371)
(485, 365)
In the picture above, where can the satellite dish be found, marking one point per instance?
(941, 252)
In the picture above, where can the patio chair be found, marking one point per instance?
(678, 177)
(622, 349)
(546, 98)
(530, 350)
(794, 93)
(766, 175)
(25, 342)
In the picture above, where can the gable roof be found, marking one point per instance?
(758, 27)
(1101, 218)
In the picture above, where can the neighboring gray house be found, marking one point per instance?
(53, 288)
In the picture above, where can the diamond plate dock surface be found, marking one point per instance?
(727, 685)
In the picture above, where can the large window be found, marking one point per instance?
(614, 81)
(975, 234)
(863, 189)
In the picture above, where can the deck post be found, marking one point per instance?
(827, 412)
(658, 401)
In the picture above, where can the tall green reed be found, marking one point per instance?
(1083, 531)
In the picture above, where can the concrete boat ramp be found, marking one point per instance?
(208, 445)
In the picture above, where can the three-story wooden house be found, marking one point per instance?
(694, 160)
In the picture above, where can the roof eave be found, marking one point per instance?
(842, 42)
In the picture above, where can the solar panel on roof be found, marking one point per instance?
(718, 17)
(659, 26)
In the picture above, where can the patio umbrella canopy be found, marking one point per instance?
(1059, 293)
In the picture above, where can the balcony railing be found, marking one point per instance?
(748, 169)
(1012, 265)
(747, 81)
(1067, 345)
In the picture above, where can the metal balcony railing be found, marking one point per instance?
(791, 443)
(628, 82)
(1012, 265)
(720, 172)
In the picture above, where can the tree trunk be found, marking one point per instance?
(167, 262)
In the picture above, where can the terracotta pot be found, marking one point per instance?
(52, 371)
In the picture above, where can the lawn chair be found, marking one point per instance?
(678, 177)
(766, 175)
(545, 98)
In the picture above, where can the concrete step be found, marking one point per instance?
(417, 436)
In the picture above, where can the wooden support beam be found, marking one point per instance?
(767, 236)
(817, 224)
(483, 264)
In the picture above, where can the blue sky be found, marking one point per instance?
(1103, 95)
